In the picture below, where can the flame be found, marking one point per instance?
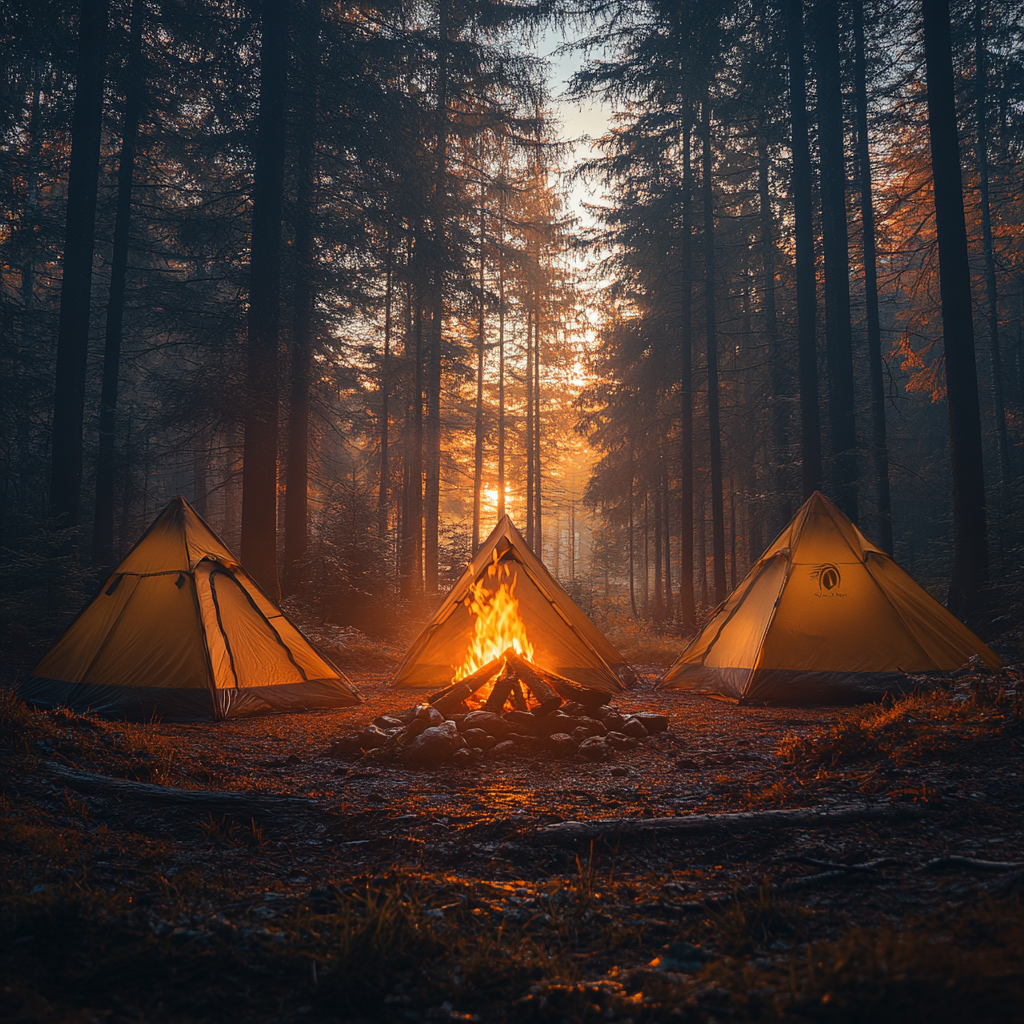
(498, 625)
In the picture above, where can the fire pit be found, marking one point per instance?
(506, 707)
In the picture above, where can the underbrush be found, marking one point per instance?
(962, 723)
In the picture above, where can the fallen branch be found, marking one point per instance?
(216, 802)
(841, 872)
(692, 824)
(970, 863)
(867, 865)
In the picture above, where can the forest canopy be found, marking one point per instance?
(321, 269)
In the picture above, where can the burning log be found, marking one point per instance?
(455, 695)
(571, 691)
(548, 700)
(502, 689)
(518, 700)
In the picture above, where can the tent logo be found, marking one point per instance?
(828, 577)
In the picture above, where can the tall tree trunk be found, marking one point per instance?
(659, 608)
(879, 445)
(666, 506)
(31, 220)
(630, 526)
(970, 533)
(501, 351)
(687, 608)
(538, 530)
(478, 424)
(711, 339)
(296, 495)
(432, 490)
(836, 249)
(103, 518)
(991, 295)
(384, 483)
(529, 429)
(806, 286)
(76, 277)
(776, 356)
(412, 519)
(259, 454)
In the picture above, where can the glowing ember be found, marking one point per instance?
(498, 625)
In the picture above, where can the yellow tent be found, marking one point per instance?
(180, 632)
(564, 639)
(824, 615)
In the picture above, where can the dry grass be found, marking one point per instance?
(962, 723)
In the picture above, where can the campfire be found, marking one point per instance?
(500, 702)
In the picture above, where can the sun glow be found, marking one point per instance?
(498, 625)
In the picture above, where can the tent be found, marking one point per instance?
(565, 641)
(180, 632)
(824, 615)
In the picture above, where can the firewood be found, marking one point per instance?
(572, 691)
(692, 824)
(466, 688)
(518, 700)
(548, 700)
(443, 692)
(499, 692)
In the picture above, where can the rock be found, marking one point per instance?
(555, 722)
(620, 741)
(458, 719)
(572, 708)
(561, 744)
(462, 758)
(388, 722)
(634, 727)
(522, 722)
(488, 721)
(592, 725)
(434, 745)
(346, 746)
(371, 736)
(528, 744)
(477, 752)
(653, 722)
(686, 764)
(594, 748)
(580, 733)
(429, 713)
(612, 722)
(604, 711)
(503, 749)
(618, 771)
(414, 728)
(477, 737)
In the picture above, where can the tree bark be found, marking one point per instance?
(76, 276)
(970, 533)
(384, 488)
(836, 250)
(296, 495)
(711, 340)
(259, 454)
(501, 351)
(806, 286)
(687, 608)
(478, 423)
(879, 445)
(991, 294)
(538, 529)
(528, 443)
(103, 513)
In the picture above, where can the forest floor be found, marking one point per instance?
(374, 892)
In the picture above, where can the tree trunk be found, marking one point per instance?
(432, 489)
(687, 609)
(836, 249)
(478, 424)
(879, 445)
(658, 610)
(76, 276)
(632, 560)
(666, 505)
(103, 517)
(711, 339)
(970, 559)
(259, 455)
(806, 286)
(529, 429)
(384, 488)
(296, 495)
(538, 529)
(991, 295)
(776, 356)
(501, 351)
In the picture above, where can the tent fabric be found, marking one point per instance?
(565, 641)
(181, 632)
(824, 615)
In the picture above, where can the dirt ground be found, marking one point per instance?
(633, 925)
